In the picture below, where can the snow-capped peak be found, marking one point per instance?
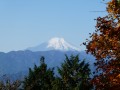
(55, 44)
(60, 44)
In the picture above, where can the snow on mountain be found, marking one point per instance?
(55, 44)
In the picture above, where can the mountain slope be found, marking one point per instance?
(19, 61)
(55, 44)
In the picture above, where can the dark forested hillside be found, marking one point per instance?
(16, 63)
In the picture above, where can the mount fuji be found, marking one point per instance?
(54, 44)
(15, 64)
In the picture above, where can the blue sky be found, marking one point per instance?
(26, 23)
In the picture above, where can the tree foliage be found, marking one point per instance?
(74, 75)
(8, 85)
(105, 46)
(40, 78)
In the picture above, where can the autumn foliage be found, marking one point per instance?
(105, 46)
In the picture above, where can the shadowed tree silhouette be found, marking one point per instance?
(40, 78)
(74, 75)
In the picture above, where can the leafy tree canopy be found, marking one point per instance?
(105, 46)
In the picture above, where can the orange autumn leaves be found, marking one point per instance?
(105, 46)
(106, 38)
(114, 8)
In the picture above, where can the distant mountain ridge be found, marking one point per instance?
(54, 44)
(17, 63)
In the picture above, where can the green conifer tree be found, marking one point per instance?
(74, 75)
(10, 85)
(40, 78)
